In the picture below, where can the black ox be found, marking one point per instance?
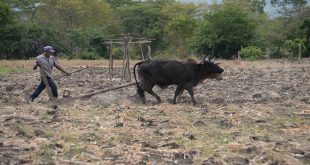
(184, 74)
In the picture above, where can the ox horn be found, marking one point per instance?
(206, 59)
(213, 59)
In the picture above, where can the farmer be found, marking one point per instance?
(46, 62)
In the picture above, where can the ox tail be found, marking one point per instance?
(134, 73)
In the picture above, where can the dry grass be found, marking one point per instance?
(125, 132)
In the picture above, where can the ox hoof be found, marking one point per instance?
(143, 101)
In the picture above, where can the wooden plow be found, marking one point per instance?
(55, 102)
(103, 91)
(88, 95)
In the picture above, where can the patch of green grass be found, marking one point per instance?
(258, 130)
(180, 140)
(221, 138)
(74, 150)
(45, 117)
(70, 137)
(44, 155)
(216, 136)
(25, 131)
(89, 138)
(8, 69)
(284, 121)
(134, 114)
(207, 151)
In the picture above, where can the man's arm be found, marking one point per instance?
(35, 66)
(61, 69)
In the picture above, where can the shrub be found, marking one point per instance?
(89, 56)
(251, 53)
(118, 53)
(292, 47)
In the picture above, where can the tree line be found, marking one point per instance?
(80, 28)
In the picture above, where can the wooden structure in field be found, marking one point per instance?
(127, 42)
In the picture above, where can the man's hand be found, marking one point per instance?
(62, 70)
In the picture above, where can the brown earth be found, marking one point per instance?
(258, 114)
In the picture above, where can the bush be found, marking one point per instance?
(89, 56)
(118, 53)
(251, 53)
(292, 47)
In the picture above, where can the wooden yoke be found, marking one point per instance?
(48, 88)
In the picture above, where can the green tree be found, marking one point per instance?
(120, 3)
(274, 32)
(6, 15)
(224, 30)
(12, 43)
(27, 8)
(10, 34)
(254, 6)
(143, 20)
(292, 47)
(305, 27)
(179, 25)
(290, 7)
(273, 35)
(75, 21)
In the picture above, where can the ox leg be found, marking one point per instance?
(177, 92)
(191, 93)
(140, 92)
(150, 91)
(141, 95)
(178, 97)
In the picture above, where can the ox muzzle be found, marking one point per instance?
(217, 76)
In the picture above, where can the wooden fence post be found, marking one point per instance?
(299, 53)
(142, 55)
(149, 52)
(110, 61)
(126, 58)
(268, 53)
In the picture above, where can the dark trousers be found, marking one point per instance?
(41, 87)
